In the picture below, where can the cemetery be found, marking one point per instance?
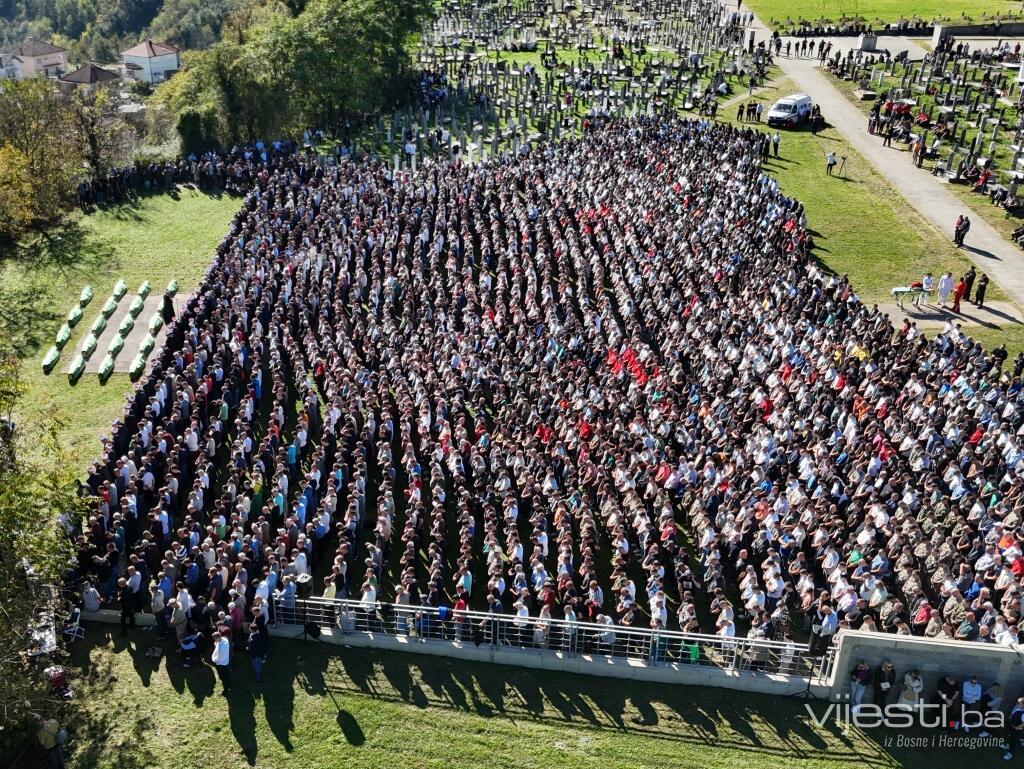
(498, 77)
(577, 363)
(958, 110)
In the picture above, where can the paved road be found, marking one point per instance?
(993, 254)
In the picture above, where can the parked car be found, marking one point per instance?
(790, 111)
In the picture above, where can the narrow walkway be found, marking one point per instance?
(993, 254)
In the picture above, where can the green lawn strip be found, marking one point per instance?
(861, 225)
(156, 238)
(787, 13)
(321, 706)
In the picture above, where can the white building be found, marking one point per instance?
(37, 57)
(10, 67)
(151, 62)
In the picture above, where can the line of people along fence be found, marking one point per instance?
(653, 648)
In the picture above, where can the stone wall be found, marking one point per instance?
(933, 658)
(1003, 30)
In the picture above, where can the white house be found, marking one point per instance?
(151, 62)
(10, 67)
(38, 57)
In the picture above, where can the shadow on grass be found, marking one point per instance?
(700, 717)
(127, 209)
(25, 318)
(61, 248)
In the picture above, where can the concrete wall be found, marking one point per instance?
(536, 659)
(934, 658)
(1004, 30)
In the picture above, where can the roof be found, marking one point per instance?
(90, 74)
(147, 49)
(34, 47)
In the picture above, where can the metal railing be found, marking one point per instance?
(589, 641)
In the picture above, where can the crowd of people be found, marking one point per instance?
(526, 386)
(228, 171)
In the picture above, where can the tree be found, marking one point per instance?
(276, 73)
(35, 550)
(16, 193)
(105, 138)
(37, 124)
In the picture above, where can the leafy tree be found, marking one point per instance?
(35, 550)
(276, 74)
(37, 124)
(105, 138)
(16, 193)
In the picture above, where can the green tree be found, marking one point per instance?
(16, 193)
(37, 123)
(104, 137)
(35, 550)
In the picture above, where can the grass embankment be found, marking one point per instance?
(154, 238)
(861, 225)
(321, 706)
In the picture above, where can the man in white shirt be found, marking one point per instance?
(971, 693)
(222, 661)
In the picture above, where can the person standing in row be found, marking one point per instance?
(257, 648)
(1014, 730)
(945, 288)
(222, 660)
(969, 280)
(883, 683)
(860, 677)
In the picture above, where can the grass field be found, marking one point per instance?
(861, 225)
(155, 238)
(320, 706)
(774, 11)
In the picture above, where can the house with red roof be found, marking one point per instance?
(151, 62)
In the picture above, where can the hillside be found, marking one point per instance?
(98, 29)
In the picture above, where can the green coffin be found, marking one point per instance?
(51, 360)
(77, 367)
(126, 325)
(89, 347)
(109, 307)
(144, 289)
(63, 335)
(137, 367)
(85, 297)
(74, 316)
(120, 289)
(106, 368)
